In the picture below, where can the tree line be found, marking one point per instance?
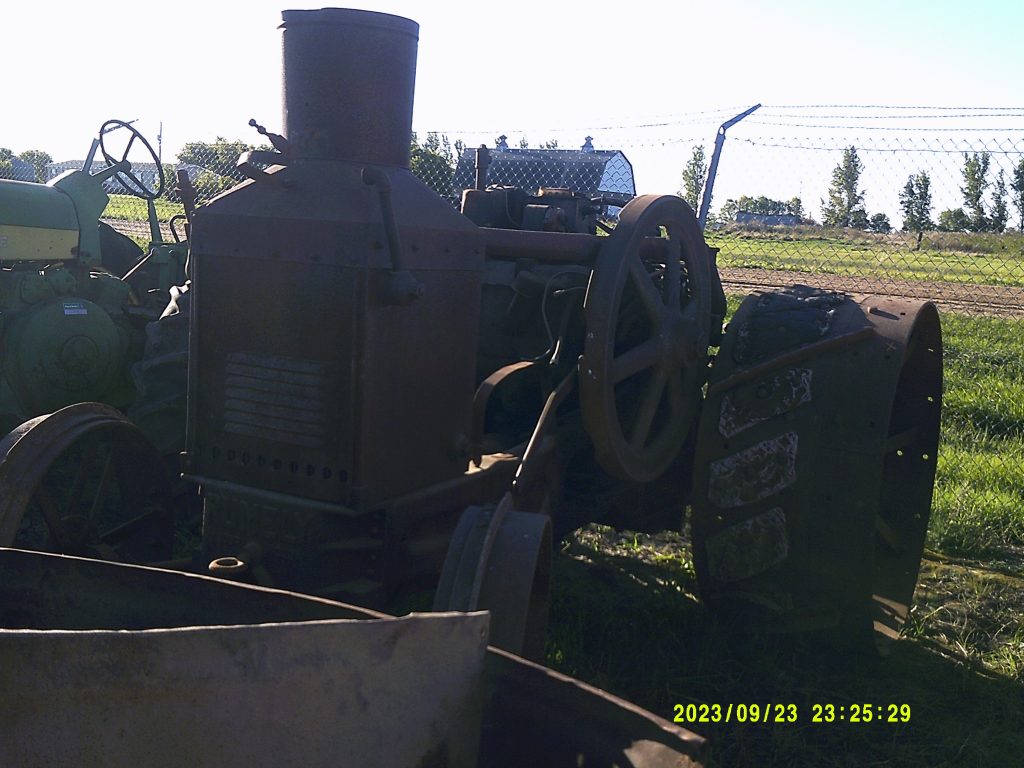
(844, 205)
(34, 157)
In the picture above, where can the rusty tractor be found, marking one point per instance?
(388, 396)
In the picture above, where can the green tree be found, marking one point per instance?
(218, 157)
(6, 164)
(766, 206)
(954, 220)
(975, 171)
(1017, 186)
(694, 173)
(727, 213)
(433, 162)
(38, 160)
(1000, 213)
(916, 201)
(845, 206)
(795, 206)
(880, 223)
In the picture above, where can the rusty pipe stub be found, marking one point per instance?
(349, 77)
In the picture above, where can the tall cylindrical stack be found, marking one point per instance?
(349, 77)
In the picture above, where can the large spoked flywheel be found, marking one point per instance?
(85, 481)
(648, 312)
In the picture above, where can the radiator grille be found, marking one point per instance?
(275, 398)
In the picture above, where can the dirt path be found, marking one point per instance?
(1006, 301)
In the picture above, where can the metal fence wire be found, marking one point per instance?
(922, 204)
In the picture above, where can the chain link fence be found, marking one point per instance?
(916, 205)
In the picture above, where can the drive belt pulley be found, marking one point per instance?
(648, 314)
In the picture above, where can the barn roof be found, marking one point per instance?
(588, 172)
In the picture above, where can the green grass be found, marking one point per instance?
(130, 208)
(978, 507)
(982, 258)
(628, 618)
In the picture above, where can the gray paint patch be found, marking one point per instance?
(748, 548)
(761, 400)
(754, 473)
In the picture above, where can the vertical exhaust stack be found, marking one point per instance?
(336, 306)
(349, 78)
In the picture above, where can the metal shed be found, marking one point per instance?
(591, 172)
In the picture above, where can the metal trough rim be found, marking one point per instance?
(532, 714)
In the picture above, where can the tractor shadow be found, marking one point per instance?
(626, 616)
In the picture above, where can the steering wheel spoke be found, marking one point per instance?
(129, 179)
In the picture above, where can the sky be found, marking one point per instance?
(651, 78)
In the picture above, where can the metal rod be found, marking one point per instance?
(709, 185)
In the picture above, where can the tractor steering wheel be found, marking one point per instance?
(129, 179)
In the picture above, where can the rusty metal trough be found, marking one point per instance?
(113, 665)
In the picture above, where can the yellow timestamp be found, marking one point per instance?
(860, 713)
(774, 712)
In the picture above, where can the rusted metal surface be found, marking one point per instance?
(817, 450)
(375, 692)
(112, 665)
(343, 315)
(499, 559)
(640, 376)
(323, 383)
(349, 77)
(84, 480)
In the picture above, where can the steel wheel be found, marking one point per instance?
(817, 446)
(84, 481)
(648, 312)
(499, 559)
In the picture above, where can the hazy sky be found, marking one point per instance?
(540, 69)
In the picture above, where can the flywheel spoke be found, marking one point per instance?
(101, 489)
(648, 293)
(648, 409)
(53, 517)
(639, 358)
(672, 275)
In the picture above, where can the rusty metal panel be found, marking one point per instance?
(335, 58)
(755, 473)
(380, 692)
(857, 493)
(113, 665)
(302, 378)
(774, 395)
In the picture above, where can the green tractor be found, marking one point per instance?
(76, 295)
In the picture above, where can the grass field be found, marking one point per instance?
(130, 208)
(944, 257)
(628, 618)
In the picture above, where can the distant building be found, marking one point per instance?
(592, 172)
(22, 171)
(767, 219)
(147, 173)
